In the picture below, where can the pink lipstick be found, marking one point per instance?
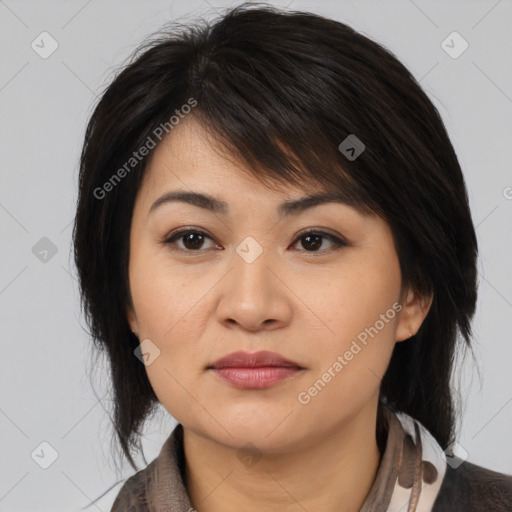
(256, 370)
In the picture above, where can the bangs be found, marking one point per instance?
(257, 106)
(283, 160)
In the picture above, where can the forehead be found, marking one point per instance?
(190, 162)
(189, 156)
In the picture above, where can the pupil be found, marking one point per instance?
(190, 239)
(317, 243)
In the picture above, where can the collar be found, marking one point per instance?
(412, 468)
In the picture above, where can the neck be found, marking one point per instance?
(332, 475)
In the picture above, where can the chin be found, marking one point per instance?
(270, 434)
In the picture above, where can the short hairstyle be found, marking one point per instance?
(280, 91)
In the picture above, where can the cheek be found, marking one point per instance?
(170, 308)
(167, 311)
(361, 313)
(356, 296)
(164, 295)
(348, 371)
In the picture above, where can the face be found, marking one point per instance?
(208, 283)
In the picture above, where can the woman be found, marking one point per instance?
(304, 376)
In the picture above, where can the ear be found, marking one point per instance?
(414, 311)
(132, 319)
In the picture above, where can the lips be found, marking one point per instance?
(256, 371)
(261, 359)
(256, 378)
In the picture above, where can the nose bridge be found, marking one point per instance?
(251, 266)
(252, 295)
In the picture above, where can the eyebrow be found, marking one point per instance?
(210, 203)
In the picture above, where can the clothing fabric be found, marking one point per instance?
(413, 476)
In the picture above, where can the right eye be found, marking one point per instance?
(192, 239)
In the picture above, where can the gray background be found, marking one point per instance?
(44, 107)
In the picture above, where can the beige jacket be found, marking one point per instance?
(413, 476)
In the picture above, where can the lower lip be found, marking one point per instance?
(256, 378)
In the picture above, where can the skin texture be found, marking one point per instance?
(305, 302)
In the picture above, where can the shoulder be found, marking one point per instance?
(133, 495)
(474, 488)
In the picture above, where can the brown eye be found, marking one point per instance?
(312, 240)
(192, 239)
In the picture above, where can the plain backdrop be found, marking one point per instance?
(46, 394)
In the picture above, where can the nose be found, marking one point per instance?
(254, 296)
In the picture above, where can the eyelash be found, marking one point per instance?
(337, 242)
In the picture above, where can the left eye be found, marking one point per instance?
(193, 240)
(314, 240)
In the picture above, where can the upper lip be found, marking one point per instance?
(242, 359)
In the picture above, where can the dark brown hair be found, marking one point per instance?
(280, 90)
